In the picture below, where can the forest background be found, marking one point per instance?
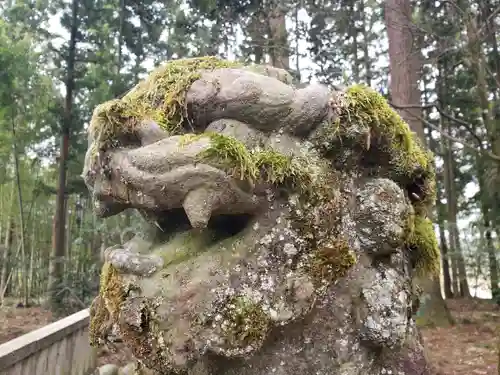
(61, 58)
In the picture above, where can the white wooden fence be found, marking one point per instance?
(60, 348)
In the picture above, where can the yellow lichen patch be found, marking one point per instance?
(161, 98)
(105, 307)
(424, 247)
(245, 323)
(111, 290)
(99, 322)
(331, 261)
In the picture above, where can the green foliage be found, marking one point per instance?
(26, 95)
(344, 41)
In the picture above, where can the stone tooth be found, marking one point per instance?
(198, 206)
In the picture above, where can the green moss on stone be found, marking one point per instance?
(254, 166)
(410, 163)
(282, 169)
(366, 107)
(184, 246)
(428, 195)
(331, 261)
(232, 155)
(245, 323)
(423, 243)
(161, 98)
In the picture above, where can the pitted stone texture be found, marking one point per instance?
(382, 216)
(387, 302)
(196, 307)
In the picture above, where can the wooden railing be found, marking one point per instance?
(60, 348)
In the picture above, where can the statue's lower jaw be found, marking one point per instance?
(175, 241)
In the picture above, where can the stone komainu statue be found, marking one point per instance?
(285, 225)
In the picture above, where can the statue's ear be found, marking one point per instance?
(149, 132)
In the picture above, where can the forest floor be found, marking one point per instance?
(467, 348)
(470, 346)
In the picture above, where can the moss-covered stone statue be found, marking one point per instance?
(285, 225)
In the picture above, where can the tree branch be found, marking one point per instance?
(465, 124)
(449, 136)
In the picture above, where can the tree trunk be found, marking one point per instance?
(24, 261)
(120, 40)
(32, 260)
(489, 200)
(433, 311)
(460, 284)
(445, 150)
(353, 34)
(448, 292)
(452, 224)
(278, 51)
(490, 246)
(366, 55)
(443, 246)
(56, 265)
(405, 67)
(297, 42)
(404, 62)
(256, 32)
(9, 231)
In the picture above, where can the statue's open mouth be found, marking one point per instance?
(219, 226)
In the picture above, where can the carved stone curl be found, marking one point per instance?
(285, 224)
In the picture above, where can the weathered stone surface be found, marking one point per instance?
(108, 370)
(285, 225)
